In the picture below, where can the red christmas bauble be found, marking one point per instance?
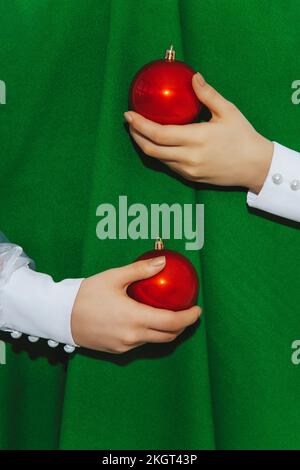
(162, 91)
(173, 288)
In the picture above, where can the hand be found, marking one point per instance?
(225, 151)
(106, 319)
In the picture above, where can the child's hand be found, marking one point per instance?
(225, 151)
(106, 319)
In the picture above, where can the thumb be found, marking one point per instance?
(215, 102)
(140, 270)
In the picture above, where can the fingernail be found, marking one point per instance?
(159, 261)
(128, 116)
(200, 79)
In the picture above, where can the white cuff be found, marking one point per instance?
(34, 304)
(280, 194)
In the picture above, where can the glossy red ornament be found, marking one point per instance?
(173, 288)
(162, 91)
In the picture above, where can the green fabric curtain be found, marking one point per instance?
(228, 383)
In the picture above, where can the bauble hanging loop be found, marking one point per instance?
(170, 54)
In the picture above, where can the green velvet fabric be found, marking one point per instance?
(228, 383)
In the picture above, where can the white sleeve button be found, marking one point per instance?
(277, 178)
(69, 349)
(295, 185)
(33, 339)
(52, 343)
(16, 334)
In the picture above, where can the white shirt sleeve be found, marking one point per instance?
(280, 194)
(32, 303)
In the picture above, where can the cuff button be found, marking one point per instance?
(277, 178)
(16, 334)
(69, 349)
(33, 339)
(295, 185)
(52, 343)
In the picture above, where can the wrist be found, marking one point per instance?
(78, 315)
(260, 161)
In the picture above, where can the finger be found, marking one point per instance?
(167, 320)
(158, 133)
(153, 336)
(215, 102)
(157, 151)
(139, 270)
